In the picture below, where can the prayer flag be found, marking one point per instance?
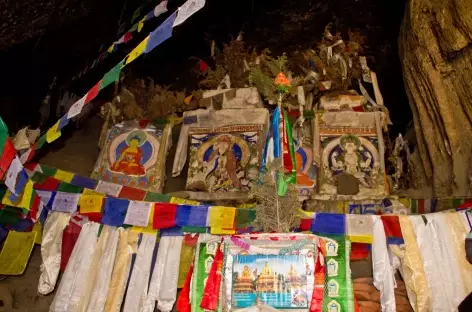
(222, 217)
(220, 231)
(49, 184)
(90, 204)
(156, 197)
(112, 76)
(64, 121)
(138, 213)
(93, 92)
(7, 157)
(148, 229)
(164, 215)
(149, 15)
(187, 10)
(161, 8)
(53, 133)
(12, 174)
(141, 24)
(161, 33)
(329, 223)
(84, 182)
(188, 215)
(181, 201)
(127, 37)
(305, 224)
(16, 252)
(137, 51)
(359, 228)
(23, 200)
(114, 212)
(64, 176)
(65, 202)
(393, 230)
(110, 49)
(136, 14)
(132, 193)
(41, 142)
(244, 217)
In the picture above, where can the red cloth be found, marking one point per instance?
(132, 193)
(93, 92)
(7, 157)
(164, 215)
(183, 302)
(33, 213)
(359, 251)
(127, 37)
(212, 286)
(202, 66)
(94, 216)
(305, 224)
(392, 226)
(318, 291)
(50, 184)
(69, 238)
(30, 165)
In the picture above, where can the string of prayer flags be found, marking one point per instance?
(188, 9)
(192, 215)
(164, 215)
(112, 75)
(136, 52)
(16, 252)
(221, 217)
(392, 229)
(329, 224)
(161, 33)
(359, 228)
(114, 212)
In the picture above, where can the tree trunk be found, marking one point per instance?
(436, 51)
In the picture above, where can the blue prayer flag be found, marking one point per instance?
(63, 122)
(161, 33)
(188, 215)
(84, 182)
(114, 212)
(329, 223)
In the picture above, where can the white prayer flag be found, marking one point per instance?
(160, 8)
(111, 189)
(45, 196)
(138, 213)
(76, 108)
(12, 174)
(65, 202)
(25, 155)
(187, 9)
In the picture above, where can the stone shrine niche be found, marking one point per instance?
(349, 153)
(132, 156)
(225, 149)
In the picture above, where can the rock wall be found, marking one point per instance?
(368, 297)
(436, 49)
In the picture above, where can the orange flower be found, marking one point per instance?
(281, 80)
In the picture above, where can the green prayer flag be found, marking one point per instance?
(39, 177)
(48, 171)
(194, 229)
(244, 217)
(281, 185)
(112, 76)
(10, 215)
(3, 127)
(156, 197)
(41, 142)
(69, 188)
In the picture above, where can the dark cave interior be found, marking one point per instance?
(64, 46)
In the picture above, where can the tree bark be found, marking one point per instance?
(436, 50)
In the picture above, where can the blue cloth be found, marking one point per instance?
(329, 223)
(84, 182)
(3, 233)
(114, 212)
(22, 226)
(63, 122)
(275, 126)
(161, 33)
(188, 215)
(22, 179)
(188, 120)
(149, 15)
(173, 231)
(44, 214)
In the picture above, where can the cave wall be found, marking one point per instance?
(436, 51)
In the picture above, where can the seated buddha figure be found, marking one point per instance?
(130, 158)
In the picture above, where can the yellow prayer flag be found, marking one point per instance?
(222, 217)
(181, 201)
(16, 252)
(91, 192)
(39, 234)
(365, 239)
(53, 134)
(141, 25)
(246, 206)
(148, 229)
(175, 120)
(305, 214)
(137, 51)
(220, 231)
(90, 203)
(110, 49)
(24, 199)
(188, 99)
(64, 176)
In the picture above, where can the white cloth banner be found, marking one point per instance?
(187, 10)
(161, 8)
(51, 247)
(384, 279)
(139, 281)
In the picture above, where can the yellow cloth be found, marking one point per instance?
(16, 252)
(53, 134)
(24, 199)
(64, 176)
(181, 201)
(186, 259)
(222, 217)
(110, 49)
(220, 231)
(39, 233)
(90, 203)
(127, 245)
(413, 269)
(91, 192)
(459, 233)
(141, 24)
(137, 51)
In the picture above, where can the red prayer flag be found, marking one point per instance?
(211, 292)
(93, 92)
(127, 37)
(164, 215)
(7, 157)
(305, 224)
(132, 193)
(50, 184)
(392, 229)
(183, 302)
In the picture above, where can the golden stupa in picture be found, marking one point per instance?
(267, 281)
(244, 282)
(293, 280)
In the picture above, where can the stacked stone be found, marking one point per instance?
(368, 297)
